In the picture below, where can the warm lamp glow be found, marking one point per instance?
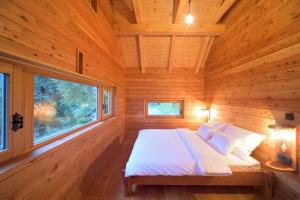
(201, 113)
(286, 134)
(189, 19)
(213, 113)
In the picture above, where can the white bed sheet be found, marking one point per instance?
(163, 152)
(159, 152)
(249, 164)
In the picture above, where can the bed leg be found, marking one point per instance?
(268, 188)
(128, 186)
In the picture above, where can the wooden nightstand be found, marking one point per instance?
(279, 166)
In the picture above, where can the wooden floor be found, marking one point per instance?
(103, 180)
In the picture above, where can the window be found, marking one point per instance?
(60, 106)
(3, 112)
(51, 107)
(164, 108)
(107, 102)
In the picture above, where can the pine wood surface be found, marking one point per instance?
(252, 75)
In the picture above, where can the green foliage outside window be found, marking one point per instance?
(163, 108)
(61, 105)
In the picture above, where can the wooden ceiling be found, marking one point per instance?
(152, 33)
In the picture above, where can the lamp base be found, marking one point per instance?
(284, 158)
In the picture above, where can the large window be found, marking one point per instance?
(164, 108)
(3, 113)
(43, 105)
(107, 102)
(60, 106)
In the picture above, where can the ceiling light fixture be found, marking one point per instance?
(189, 17)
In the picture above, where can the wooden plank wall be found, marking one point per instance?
(49, 32)
(252, 75)
(158, 83)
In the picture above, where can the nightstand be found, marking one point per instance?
(279, 166)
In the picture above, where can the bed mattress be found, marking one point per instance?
(162, 152)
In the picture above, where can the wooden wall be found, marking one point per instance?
(49, 32)
(252, 75)
(158, 83)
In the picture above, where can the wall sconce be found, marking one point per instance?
(285, 147)
(201, 113)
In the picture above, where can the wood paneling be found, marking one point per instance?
(181, 83)
(252, 74)
(156, 12)
(49, 32)
(161, 52)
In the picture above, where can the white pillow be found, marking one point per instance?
(216, 124)
(223, 143)
(205, 132)
(248, 140)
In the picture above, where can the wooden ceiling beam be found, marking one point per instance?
(138, 17)
(204, 52)
(171, 56)
(169, 29)
(137, 11)
(142, 53)
(178, 11)
(224, 8)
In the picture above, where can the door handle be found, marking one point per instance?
(17, 122)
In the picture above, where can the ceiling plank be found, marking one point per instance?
(129, 5)
(204, 52)
(179, 10)
(142, 53)
(171, 56)
(225, 6)
(137, 11)
(169, 29)
(118, 18)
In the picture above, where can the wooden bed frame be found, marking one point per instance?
(262, 179)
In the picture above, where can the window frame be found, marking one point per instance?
(180, 101)
(8, 151)
(106, 116)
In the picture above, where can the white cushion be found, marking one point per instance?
(205, 132)
(216, 124)
(249, 140)
(223, 143)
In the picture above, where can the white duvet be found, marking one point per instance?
(174, 152)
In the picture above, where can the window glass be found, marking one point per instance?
(164, 108)
(3, 114)
(107, 101)
(60, 106)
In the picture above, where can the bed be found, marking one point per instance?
(181, 157)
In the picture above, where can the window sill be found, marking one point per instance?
(12, 166)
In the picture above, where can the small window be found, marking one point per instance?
(60, 106)
(3, 111)
(164, 108)
(107, 102)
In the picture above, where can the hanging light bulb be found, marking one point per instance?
(189, 19)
